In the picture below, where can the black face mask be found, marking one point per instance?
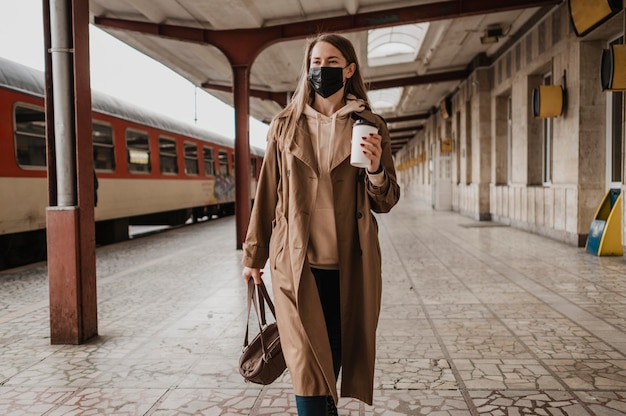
(326, 80)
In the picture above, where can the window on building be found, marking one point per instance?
(223, 162)
(457, 148)
(466, 152)
(168, 156)
(103, 147)
(547, 143)
(502, 139)
(30, 136)
(615, 139)
(509, 139)
(138, 151)
(209, 161)
(191, 159)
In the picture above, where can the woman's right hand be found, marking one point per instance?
(255, 274)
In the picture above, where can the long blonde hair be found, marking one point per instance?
(304, 94)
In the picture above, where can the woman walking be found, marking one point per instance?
(312, 218)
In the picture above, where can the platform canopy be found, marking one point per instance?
(413, 54)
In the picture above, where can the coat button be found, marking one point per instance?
(359, 215)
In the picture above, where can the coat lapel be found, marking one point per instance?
(302, 147)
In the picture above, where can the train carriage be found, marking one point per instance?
(150, 169)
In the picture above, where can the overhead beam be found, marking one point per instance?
(420, 79)
(413, 117)
(279, 97)
(405, 129)
(405, 137)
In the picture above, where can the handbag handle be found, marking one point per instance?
(258, 295)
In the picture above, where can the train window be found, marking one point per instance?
(191, 158)
(138, 151)
(223, 159)
(103, 149)
(30, 137)
(168, 157)
(253, 167)
(209, 161)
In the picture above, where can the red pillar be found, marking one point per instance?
(243, 206)
(70, 229)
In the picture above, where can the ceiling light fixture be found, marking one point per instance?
(491, 35)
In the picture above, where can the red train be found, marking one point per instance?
(150, 169)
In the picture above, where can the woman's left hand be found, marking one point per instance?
(373, 150)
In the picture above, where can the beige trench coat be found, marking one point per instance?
(279, 230)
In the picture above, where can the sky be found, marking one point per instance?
(140, 80)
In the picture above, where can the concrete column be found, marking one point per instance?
(590, 103)
(481, 137)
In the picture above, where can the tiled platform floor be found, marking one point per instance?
(478, 319)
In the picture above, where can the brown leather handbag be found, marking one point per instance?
(262, 359)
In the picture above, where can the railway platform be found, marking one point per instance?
(478, 319)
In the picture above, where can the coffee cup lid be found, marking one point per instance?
(362, 121)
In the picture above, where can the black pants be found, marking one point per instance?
(328, 288)
(327, 282)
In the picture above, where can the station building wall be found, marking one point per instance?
(545, 176)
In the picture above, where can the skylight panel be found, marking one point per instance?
(394, 45)
(386, 99)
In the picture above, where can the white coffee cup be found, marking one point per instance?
(361, 128)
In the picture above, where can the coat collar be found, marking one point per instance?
(301, 145)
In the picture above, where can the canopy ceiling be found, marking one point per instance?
(199, 39)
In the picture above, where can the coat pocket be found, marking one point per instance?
(277, 240)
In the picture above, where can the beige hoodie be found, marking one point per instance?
(331, 138)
